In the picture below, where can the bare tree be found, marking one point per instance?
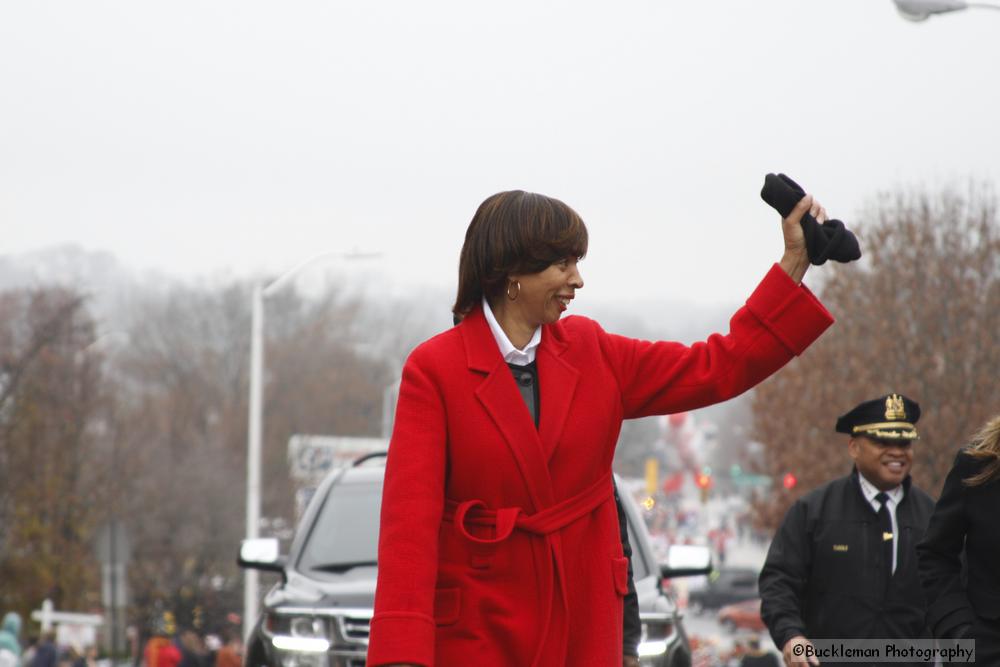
(151, 430)
(184, 381)
(50, 454)
(918, 315)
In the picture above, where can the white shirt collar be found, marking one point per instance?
(511, 354)
(870, 491)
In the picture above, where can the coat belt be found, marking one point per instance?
(506, 519)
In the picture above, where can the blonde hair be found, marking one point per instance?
(985, 446)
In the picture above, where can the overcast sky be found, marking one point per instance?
(194, 137)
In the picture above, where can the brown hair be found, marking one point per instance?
(985, 445)
(514, 232)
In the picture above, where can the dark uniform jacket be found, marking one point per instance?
(824, 576)
(965, 518)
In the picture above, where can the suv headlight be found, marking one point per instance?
(299, 641)
(657, 633)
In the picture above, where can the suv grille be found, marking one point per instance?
(355, 627)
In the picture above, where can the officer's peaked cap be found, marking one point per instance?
(891, 417)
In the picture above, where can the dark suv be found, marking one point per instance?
(725, 586)
(318, 614)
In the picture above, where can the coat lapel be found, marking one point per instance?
(503, 403)
(557, 381)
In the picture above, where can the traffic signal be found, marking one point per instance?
(652, 475)
(703, 480)
(789, 481)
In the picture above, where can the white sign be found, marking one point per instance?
(48, 617)
(77, 636)
(312, 456)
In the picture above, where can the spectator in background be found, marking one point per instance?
(47, 655)
(134, 640)
(756, 656)
(71, 657)
(29, 651)
(231, 653)
(736, 653)
(719, 537)
(193, 653)
(212, 645)
(85, 658)
(160, 651)
(10, 647)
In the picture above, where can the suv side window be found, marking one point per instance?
(640, 569)
(735, 580)
(345, 529)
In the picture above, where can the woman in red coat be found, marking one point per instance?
(499, 543)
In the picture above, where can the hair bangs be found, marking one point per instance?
(549, 231)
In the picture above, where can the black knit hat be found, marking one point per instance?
(891, 417)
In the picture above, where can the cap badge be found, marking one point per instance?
(894, 409)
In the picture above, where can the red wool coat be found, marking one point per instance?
(499, 543)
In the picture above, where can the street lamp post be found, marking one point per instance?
(921, 10)
(250, 578)
(113, 547)
(255, 424)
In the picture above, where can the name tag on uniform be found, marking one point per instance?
(886, 537)
(840, 547)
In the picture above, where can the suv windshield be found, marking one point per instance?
(345, 533)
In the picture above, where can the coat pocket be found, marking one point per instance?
(619, 573)
(447, 605)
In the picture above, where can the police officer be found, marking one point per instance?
(843, 563)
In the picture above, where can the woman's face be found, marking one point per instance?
(545, 295)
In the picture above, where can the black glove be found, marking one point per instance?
(831, 240)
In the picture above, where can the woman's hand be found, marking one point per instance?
(795, 261)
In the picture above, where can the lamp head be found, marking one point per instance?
(920, 10)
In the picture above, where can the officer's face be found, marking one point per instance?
(884, 463)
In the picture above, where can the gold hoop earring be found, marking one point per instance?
(518, 292)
